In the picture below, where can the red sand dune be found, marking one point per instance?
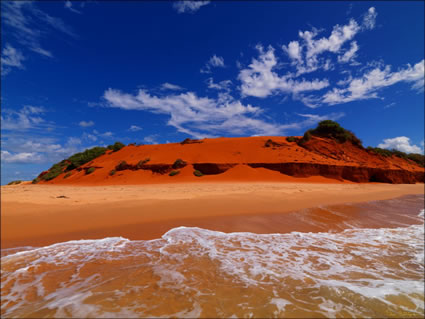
(247, 159)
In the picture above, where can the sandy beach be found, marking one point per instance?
(36, 215)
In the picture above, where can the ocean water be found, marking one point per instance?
(368, 265)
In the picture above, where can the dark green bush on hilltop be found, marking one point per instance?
(55, 170)
(333, 130)
(71, 163)
(88, 155)
(116, 147)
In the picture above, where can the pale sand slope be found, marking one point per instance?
(34, 215)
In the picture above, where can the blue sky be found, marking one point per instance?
(80, 74)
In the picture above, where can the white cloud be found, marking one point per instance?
(222, 85)
(260, 80)
(188, 6)
(350, 54)
(23, 157)
(293, 50)
(369, 19)
(213, 62)
(27, 117)
(11, 58)
(188, 112)
(107, 134)
(169, 86)
(90, 137)
(37, 149)
(401, 143)
(29, 24)
(312, 49)
(366, 87)
(68, 5)
(151, 139)
(134, 128)
(74, 141)
(203, 116)
(306, 53)
(86, 123)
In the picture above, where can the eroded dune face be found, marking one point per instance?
(243, 159)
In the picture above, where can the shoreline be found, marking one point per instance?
(33, 215)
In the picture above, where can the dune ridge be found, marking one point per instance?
(265, 158)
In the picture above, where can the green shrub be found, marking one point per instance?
(35, 180)
(268, 143)
(116, 146)
(54, 171)
(72, 162)
(197, 173)
(189, 141)
(121, 166)
(15, 182)
(380, 151)
(417, 158)
(333, 130)
(67, 175)
(90, 170)
(143, 162)
(112, 172)
(82, 158)
(306, 137)
(173, 173)
(179, 163)
(291, 139)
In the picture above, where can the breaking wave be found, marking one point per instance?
(194, 272)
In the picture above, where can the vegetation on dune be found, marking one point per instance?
(333, 130)
(179, 163)
(190, 141)
(173, 173)
(116, 146)
(82, 158)
(271, 143)
(15, 182)
(71, 163)
(417, 158)
(143, 162)
(306, 137)
(324, 129)
(90, 170)
(54, 171)
(197, 173)
(121, 166)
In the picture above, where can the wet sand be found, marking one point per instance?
(38, 215)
